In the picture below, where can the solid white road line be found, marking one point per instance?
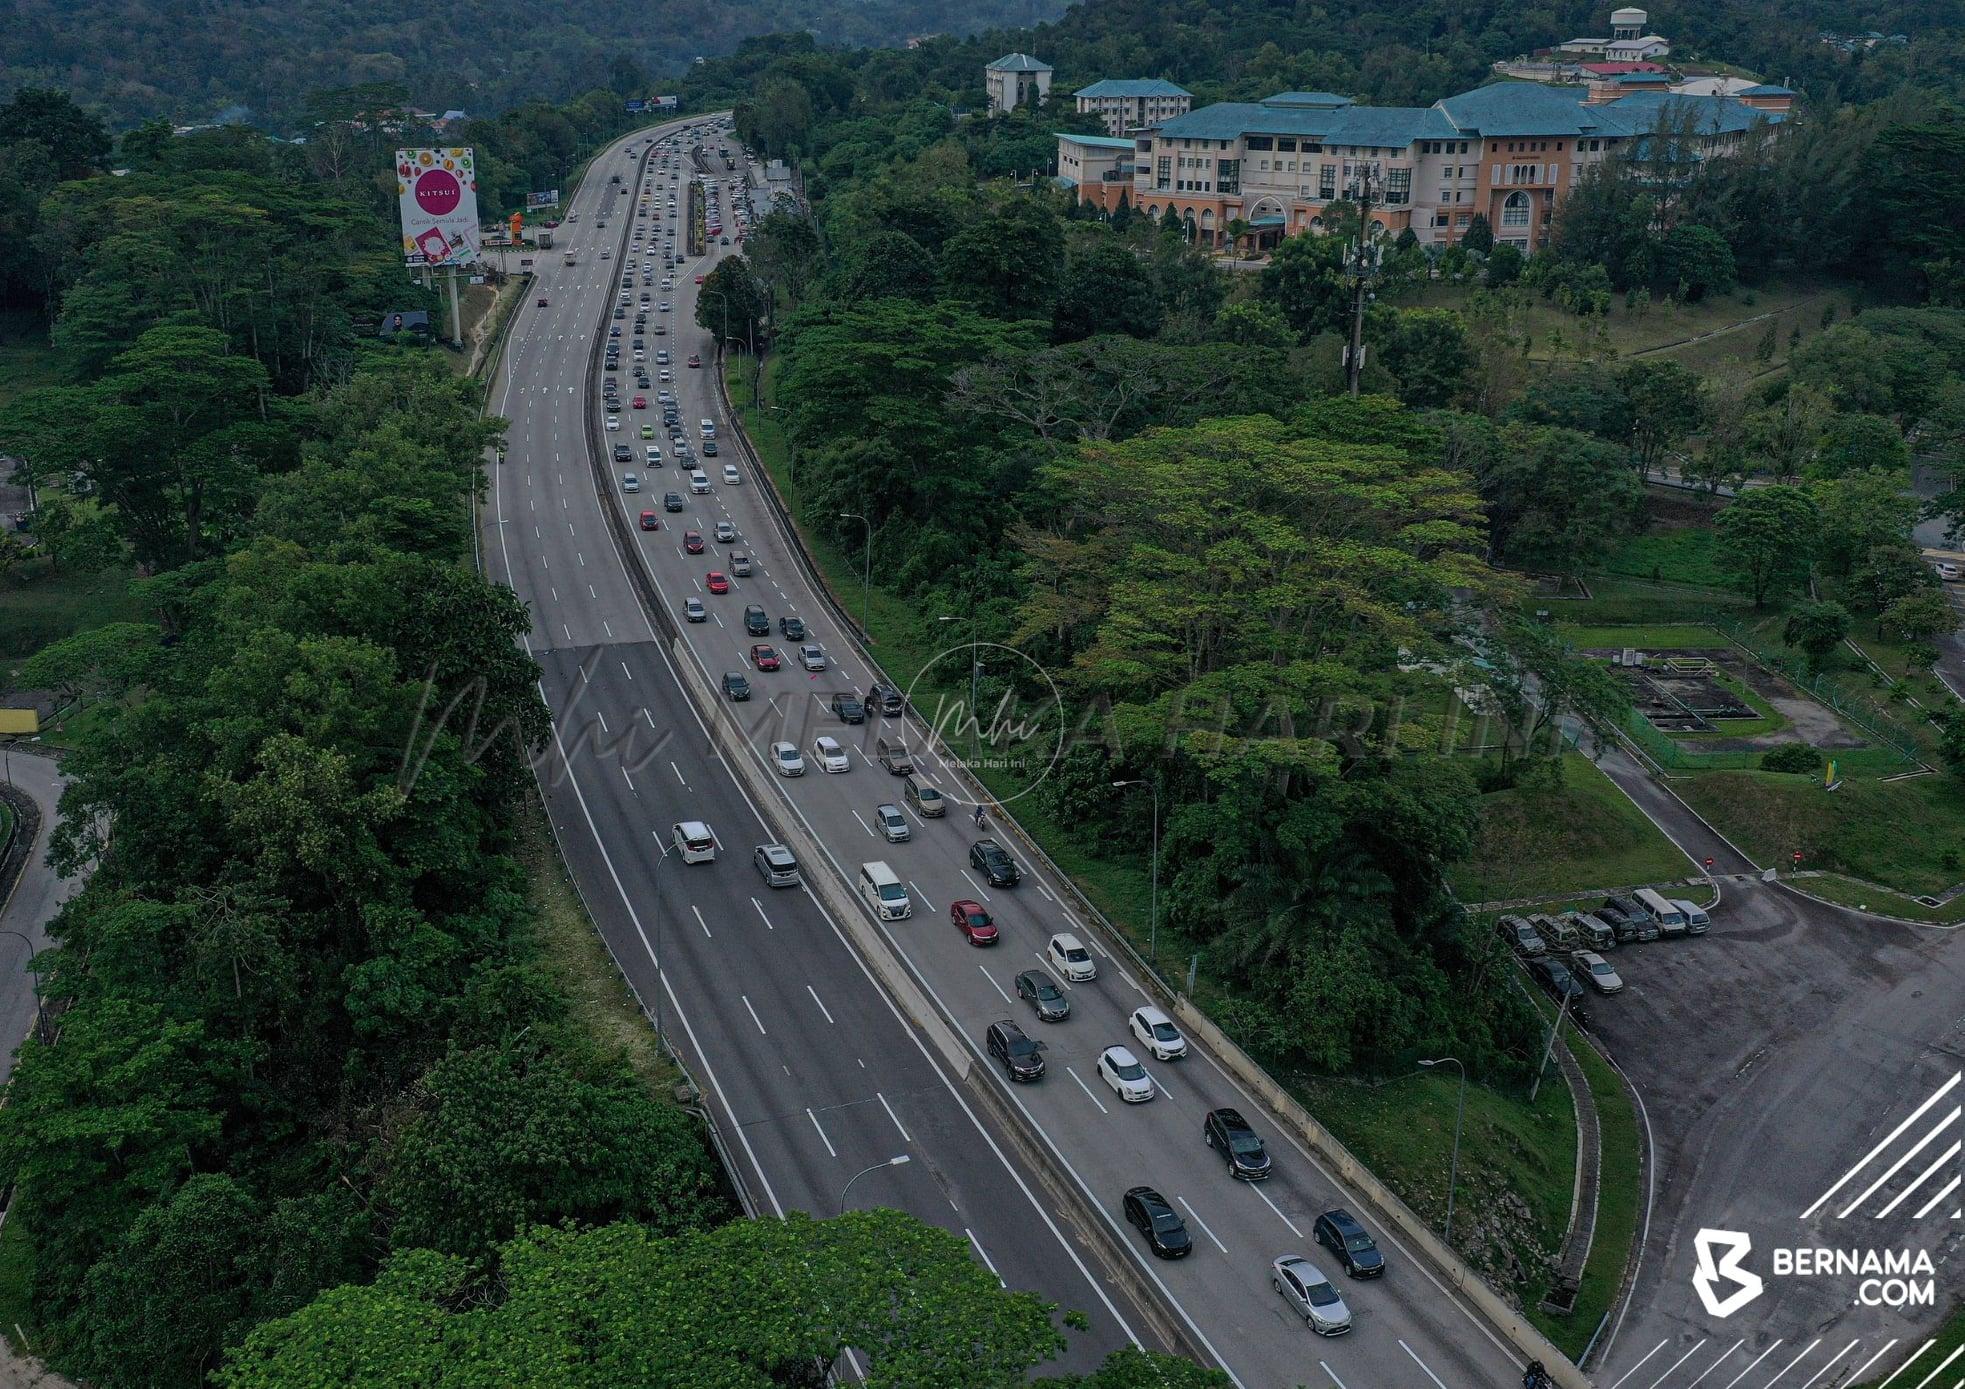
(983, 1254)
(905, 1136)
(1830, 1364)
(821, 1002)
(1676, 1363)
(1420, 1363)
(1750, 1365)
(1257, 1188)
(1205, 1230)
(1640, 1364)
(760, 911)
(1717, 1363)
(992, 982)
(822, 1133)
(699, 920)
(1087, 1089)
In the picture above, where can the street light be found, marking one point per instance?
(1460, 1114)
(898, 1160)
(40, 1004)
(1153, 911)
(975, 669)
(866, 571)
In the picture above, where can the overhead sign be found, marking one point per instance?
(437, 193)
(546, 198)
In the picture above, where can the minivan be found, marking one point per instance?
(884, 893)
(699, 482)
(1697, 923)
(776, 864)
(1021, 1057)
(693, 840)
(1635, 918)
(925, 799)
(1666, 916)
(707, 428)
(892, 754)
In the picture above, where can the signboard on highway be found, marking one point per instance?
(545, 198)
(437, 195)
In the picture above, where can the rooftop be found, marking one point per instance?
(1019, 62)
(1105, 142)
(1133, 86)
(1766, 89)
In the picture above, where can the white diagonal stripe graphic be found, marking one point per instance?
(1942, 1364)
(1915, 1115)
(1946, 1122)
(1830, 1363)
(1924, 1210)
(1792, 1363)
(1946, 1156)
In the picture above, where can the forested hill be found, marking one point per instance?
(196, 59)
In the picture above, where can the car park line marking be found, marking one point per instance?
(1792, 1363)
(1224, 1249)
(973, 883)
(1696, 1347)
(1717, 1363)
(762, 1033)
(1333, 1375)
(700, 922)
(1640, 1364)
(822, 1133)
(906, 1137)
(1257, 1188)
(863, 824)
(1420, 1363)
(1948, 1189)
(1830, 1364)
(983, 1254)
(992, 982)
(1944, 1159)
(1756, 1360)
(1887, 1345)
(828, 1012)
(1888, 1139)
(922, 895)
(1087, 1089)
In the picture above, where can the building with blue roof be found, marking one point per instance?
(1130, 104)
(1509, 151)
(1016, 79)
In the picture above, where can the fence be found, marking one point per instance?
(1833, 690)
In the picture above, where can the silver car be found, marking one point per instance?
(893, 825)
(1597, 972)
(812, 656)
(1310, 1295)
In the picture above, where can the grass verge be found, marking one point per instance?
(1577, 837)
(1943, 1342)
(1616, 599)
(16, 1280)
(1619, 1204)
(1645, 636)
(1682, 555)
(1870, 897)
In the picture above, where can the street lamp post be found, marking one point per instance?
(975, 672)
(898, 1160)
(1153, 911)
(1459, 1114)
(40, 1004)
(866, 572)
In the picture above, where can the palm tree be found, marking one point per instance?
(1236, 229)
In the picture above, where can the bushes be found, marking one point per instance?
(1798, 758)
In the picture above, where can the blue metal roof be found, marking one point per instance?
(1327, 99)
(1132, 86)
(1765, 89)
(1110, 142)
(1019, 62)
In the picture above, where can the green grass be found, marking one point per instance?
(16, 1282)
(1577, 837)
(1895, 833)
(1681, 555)
(38, 606)
(1652, 637)
(1766, 718)
(1949, 1337)
(1853, 892)
(27, 360)
(1619, 1203)
(1619, 599)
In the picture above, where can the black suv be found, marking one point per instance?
(1229, 1134)
(996, 865)
(1021, 1057)
(623, 454)
(848, 709)
(735, 685)
(1557, 981)
(887, 700)
(1166, 1233)
(672, 501)
(755, 621)
(1041, 992)
(1340, 1232)
(790, 628)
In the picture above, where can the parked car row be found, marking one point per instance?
(1564, 952)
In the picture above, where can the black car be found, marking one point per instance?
(755, 622)
(886, 700)
(735, 685)
(614, 330)
(1557, 981)
(1042, 993)
(709, 448)
(1166, 1233)
(672, 501)
(1229, 1134)
(623, 454)
(620, 312)
(996, 865)
(1021, 1057)
(790, 628)
(1340, 1232)
(847, 709)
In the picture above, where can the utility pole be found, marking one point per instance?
(1363, 266)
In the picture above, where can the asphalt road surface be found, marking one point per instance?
(36, 897)
(809, 1066)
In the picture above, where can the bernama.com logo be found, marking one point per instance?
(1884, 1277)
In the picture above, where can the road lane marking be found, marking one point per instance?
(760, 911)
(678, 771)
(822, 1007)
(905, 1136)
(1087, 1089)
(863, 824)
(1332, 1373)
(1257, 1188)
(1420, 1363)
(822, 1133)
(760, 1026)
(1062, 981)
(992, 982)
(922, 895)
(700, 922)
(983, 1255)
(972, 883)
(1224, 1249)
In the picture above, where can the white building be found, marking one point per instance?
(1016, 79)
(1131, 103)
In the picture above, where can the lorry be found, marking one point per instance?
(545, 239)
(568, 259)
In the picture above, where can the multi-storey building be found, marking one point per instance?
(1127, 105)
(1016, 79)
(1510, 151)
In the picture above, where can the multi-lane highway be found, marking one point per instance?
(814, 1074)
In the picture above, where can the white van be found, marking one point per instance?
(693, 840)
(699, 481)
(707, 427)
(884, 893)
(1669, 920)
(1697, 922)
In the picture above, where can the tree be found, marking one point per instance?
(1479, 236)
(1667, 403)
(731, 303)
(1254, 324)
(1305, 282)
(1859, 513)
(1106, 288)
(1818, 631)
(1694, 261)
(1787, 433)
(1504, 265)
(75, 140)
(1856, 443)
(1007, 263)
(1920, 618)
(1549, 491)
(1429, 354)
(1766, 536)
(783, 249)
(887, 265)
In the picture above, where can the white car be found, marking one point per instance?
(1597, 972)
(1156, 1032)
(613, 421)
(893, 825)
(1128, 1079)
(694, 841)
(730, 478)
(1310, 1295)
(725, 532)
(653, 455)
(832, 757)
(812, 656)
(1071, 957)
(630, 483)
(784, 756)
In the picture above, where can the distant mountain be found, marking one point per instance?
(193, 60)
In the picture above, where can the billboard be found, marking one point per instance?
(639, 104)
(437, 193)
(547, 198)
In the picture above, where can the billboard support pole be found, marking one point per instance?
(456, 312)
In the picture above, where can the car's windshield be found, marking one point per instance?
(1047, 990)
(1357, 1244)
(1076, 953)
(893, 892)
(1247, 1144)
(1321, 1294)
(1128, 1070)
(1164, 1031)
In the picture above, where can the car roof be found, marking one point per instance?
(1343, 1219)
(1147, 1193)
(966, 903)
(1121, 1056)
(1152, 1014)
(1230, 1118)
(1067, 940)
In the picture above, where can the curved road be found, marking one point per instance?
(36, 897)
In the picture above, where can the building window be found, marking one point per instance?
(1229, 172)
(1461, 219)
(1398, 187)
(1327, 181)
(1439, 219)
(1259, 142)
(1514, 211)
(1285, 143)
(1163, 170)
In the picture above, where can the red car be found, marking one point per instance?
(716, 583)
(692, 541)
(641, 402)
(650, 521)
(695, 360)
(763, 657)
(973, 922)
(699, 279)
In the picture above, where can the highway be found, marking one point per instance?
(812, 1071)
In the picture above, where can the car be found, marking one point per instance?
(1637, 920)
(709, 451)
(731, 477)
(1521, 937)
(973, 920)
(1697, 922)
(723, 241)
(893, 825)
(695, 360)
(1120, 1069)
(791, 628)
(1043, 995)
(1229, 1134)
(995, 863)
(606, 254)
(1071, 957)
(1021, 1057)
(755, 621)
(663, 306)
(650, 521)
(1558, 983)
(886, 700)
(699, 278)
(764, 657)
(786, 757)
(694, 841)
(1597, 972)
(653, 456)
(928, 803)
(740, 565)
(777, 864)
(672, 501)
(1157, 1033)
(641, 402)
(542, 301)
(736, 685)
(1355, 1251)
(623, 454)
(716, 582)
(832, 757)
(613, 422)
(725, 532)
(614, 331)
(812, 657)
(1147, 1211)
(1310, 1295)
(694, 611)
(630, 483)
(847, 709)
(692, 541)
(648, 431)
